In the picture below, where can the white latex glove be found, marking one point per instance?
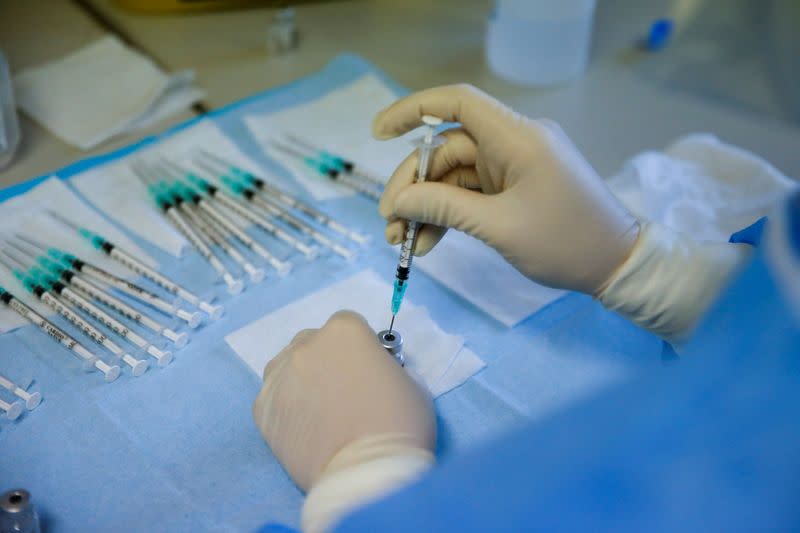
(519, 185)
(670, 280)
(345, 420)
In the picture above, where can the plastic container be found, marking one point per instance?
(539, 42)
(9, 126)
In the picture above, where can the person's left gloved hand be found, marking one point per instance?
(345, 420)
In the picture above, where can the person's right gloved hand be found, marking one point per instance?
(517, 184)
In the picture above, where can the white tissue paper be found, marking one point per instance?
(440, 359)
(339, 122)
(701, 186)
(460, 263)
(25, 214)
(116, 191)
(101, 90)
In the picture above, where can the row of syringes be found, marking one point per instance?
(331, 166)
(208, 215)
(23, 400)
(73, 287)
(84, 295)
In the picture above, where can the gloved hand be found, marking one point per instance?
(345, 420)
(517, 184)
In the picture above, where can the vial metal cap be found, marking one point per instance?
(15, 501)
(393, 342)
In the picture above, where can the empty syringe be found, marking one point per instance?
(58, 271)
(127, 259)
(426, 146)
(107, 279)
(32, 399)
(172, 212)
(240, 190)
(189, 194)
(61, 299)
(338, 162)
(12, 409)
(311, 252)
(192, 318)
(276, 195)
(367, 189)
(111, 372)
(221, 239)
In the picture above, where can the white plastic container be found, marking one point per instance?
(539, 42)
(9, 127)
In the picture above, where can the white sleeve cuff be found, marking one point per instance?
(670, 280)
(360, 473)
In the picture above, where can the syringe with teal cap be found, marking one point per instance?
(192, 318)
(310, 252)
(277, 196)
(243, 189)
(160, 194)
(330, 171)
(73, 279)
(111, 372)
(337, 161)
(88, 359)
(70, 302)
(211, 190)
(139, 267)
(214, 233)
(429, 142)
(223, 221)
(240, 189)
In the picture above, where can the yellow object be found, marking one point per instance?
(163, 6)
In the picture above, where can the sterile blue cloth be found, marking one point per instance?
(176, 449)
(712, 444)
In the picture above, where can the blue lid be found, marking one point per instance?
(660, 33)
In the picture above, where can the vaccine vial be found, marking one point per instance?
(17, 513)
(393, 342)
(282, 32)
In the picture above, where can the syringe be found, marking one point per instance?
(190, 195)
(339, 162)
(111, 372)
(311, 252)
(240, 190)
(192, 318)
(219, 238)
(278, 196)
(12, 410)
(127, 259)
(58, 271)
(32, 399)
(426, 145)
(61, 300)
(171, 211)
(216, 232)
(367, 189)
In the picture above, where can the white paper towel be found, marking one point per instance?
(339, 122)
(438, 357)
(484, 278)
(100, 91)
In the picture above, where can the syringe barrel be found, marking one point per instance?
(129, 288)
(407, 248)
(423, 165)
